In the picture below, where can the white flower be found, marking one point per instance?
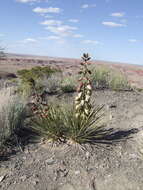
(78, 96)
(86, 111)
(77, 114)
(87, 98)
(82, 102)
(76, 102)
(77, 106)
(89, 87)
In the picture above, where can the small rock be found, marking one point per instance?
(2, 178)
(35, 181)
(23, 178)
(50, 161)
(113, 106)
(77, 172)
(87, 155)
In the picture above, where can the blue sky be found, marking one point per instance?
(110, 30)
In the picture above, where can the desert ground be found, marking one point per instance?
(14, 62)
(116, 163)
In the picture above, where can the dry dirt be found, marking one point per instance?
(99, 167)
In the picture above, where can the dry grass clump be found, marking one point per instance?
(106, 78)
(51, 85)
(69, 84)
(119, 82)
(12, 114)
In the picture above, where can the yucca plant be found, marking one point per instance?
(47, 120)
(81, 130)
(77, 124)
(83, 120)
(50, 127)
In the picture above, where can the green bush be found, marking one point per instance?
(30, 78)
(36, 73)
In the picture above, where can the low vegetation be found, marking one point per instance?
(77, 123)
(29, 79)
(106, 78)
(2, 53)
(69, 84)
(12, 115)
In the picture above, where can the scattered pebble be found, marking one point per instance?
(2, 178)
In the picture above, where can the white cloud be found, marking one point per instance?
(58, 39)
(29, 1)
(54, 38)
(51, 22)
(78, 36)
(73, 20)
(118, 14)
(47, 10)
(63, 30)
(85, 6)
(113, 24)
(132, 40)
(50, 38)
(29, 40)
(94, 42)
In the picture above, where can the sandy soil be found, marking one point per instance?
(99, 167)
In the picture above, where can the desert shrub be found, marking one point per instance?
(100, 77)
(69, 84)
(107, 78)
(75, 124)
(51, 85)
(12, 114)
(30, 78)
(119, 82)
(36, 72)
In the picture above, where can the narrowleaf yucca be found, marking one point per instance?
(83, 130)
(77, 124)
(50, 126)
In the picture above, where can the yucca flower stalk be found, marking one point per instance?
(39, 106)
(82, 100)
